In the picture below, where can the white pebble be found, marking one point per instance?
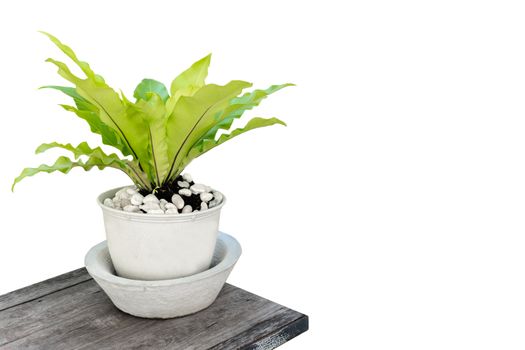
(218, 196)
(198, 188)
(187, 209)
(206, 196)
(151, 198)
(125, 202)
(116, 203)
(137, 199)
(150, 206)
(213, 203)
(122, 190)
(187, 177)
(122, 194)
(178, 201)
(169, 206)
(131, 208)
(185, 192)
(183, 184)
(163, 203)
(131, 191)
(155, 211)
(109, 203)
(204, 206)
(172, 211)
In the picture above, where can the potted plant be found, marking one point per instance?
(165, 225)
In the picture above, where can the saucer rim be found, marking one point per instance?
(233, 253)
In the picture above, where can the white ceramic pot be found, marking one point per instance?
(152, 247)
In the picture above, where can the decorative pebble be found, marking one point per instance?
(198, 188)
(122, 194)
(137, 199)
(151, 198)
(150, 206)
(155, 211)
(185, 201)
(218, 196)
(116, 203)
(184, 184)
(206, 196)
(178, 201)
(131, 191)
(217, 199)
(185, 192)
(132, 208)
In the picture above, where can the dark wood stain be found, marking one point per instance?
(71, 312)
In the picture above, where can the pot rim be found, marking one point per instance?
(154, 217)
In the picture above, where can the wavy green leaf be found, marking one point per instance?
(193, 116)
(237, 107)
(82, 149)
(188, 82)
(153, 113)
(95, 157)
(69, 52)
(192, 78)
(209, 144)
(64, 165)
(87, 111)
(147, 87)
(112, 110)
(109, 136)
(80, 102)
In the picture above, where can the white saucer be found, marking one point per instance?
(164, 298)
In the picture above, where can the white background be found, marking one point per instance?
(391, 208)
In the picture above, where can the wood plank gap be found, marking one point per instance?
(42, 288)
(44, 295)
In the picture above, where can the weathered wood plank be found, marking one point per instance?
(82, 317)
(40, 289)
(270, 333)
(55, 310)
(277, 338)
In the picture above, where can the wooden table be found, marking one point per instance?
(70, 311)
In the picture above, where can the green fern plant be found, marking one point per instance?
(159, 133)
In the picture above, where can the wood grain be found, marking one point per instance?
(42, 288)
(71, 312)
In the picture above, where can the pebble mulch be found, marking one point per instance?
(182, 197)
